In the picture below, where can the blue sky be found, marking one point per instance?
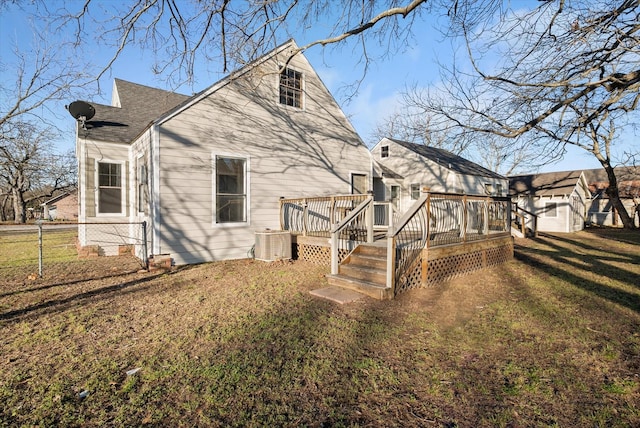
(377, 97)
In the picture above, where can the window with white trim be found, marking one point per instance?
(291, 88)
(110, 188)
(384, 151)
(230, 189)
(415, 191)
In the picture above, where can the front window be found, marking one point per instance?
(109, 188)
(291, 88)
(415, 191)
(231, 195)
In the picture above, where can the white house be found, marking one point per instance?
(207, 171)
(558, 200)
(403, 170)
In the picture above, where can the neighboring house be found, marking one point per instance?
(558, 199)
(600, 211)
(403, 170)
(62, 207)
(207, 171)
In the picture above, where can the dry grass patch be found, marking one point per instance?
(549, 339)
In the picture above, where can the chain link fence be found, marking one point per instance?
(32, 252)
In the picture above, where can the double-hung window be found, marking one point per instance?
(415, 191)
(110, 188)
(231, 189)
(291, 88)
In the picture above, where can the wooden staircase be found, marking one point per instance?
(365, 271)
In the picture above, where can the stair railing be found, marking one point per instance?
(406, 240)
(521, 214)
(354, 229)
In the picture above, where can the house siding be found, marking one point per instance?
(293, 153)
(414, 168)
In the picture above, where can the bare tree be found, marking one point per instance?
(410, 122)
(45, 75)
(230, 33)
(30, 170)
(564, 73)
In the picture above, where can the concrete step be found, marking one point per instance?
(365, 287)
(365, 273)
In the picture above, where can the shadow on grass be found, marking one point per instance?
(60, 284)
(571, 262)
(58, 305)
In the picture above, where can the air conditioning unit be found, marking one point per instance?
(273, 245)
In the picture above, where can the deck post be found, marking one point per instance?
(486, 216)
(368, 217)
(334, 253)
(391, 260)
(305, 215)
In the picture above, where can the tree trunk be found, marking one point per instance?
(3, 208)
(19, 206)
(614, 197)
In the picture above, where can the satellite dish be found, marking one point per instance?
(81, 111)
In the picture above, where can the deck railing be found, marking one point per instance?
(521, 217)
(315, 216)
(406, 240)
(435, 220)
(438, 219)
(356, 228)
(385, 214)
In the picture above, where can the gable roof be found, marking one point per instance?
(60, 196)
(139, 106)
(449, 160)
(227, 79)
(545, 184)
(628, 181)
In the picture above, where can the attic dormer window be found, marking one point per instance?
(291, 88)
(384, 152)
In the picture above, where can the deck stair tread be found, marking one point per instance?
(364, 271)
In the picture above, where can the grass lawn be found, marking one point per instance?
(551, 338)
(20, 249)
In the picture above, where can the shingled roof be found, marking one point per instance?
(449, 160)
(138, 106)
(544, 184)
(628, 181)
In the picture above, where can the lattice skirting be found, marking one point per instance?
(316, 254)
(411, 280)
(446, 268)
